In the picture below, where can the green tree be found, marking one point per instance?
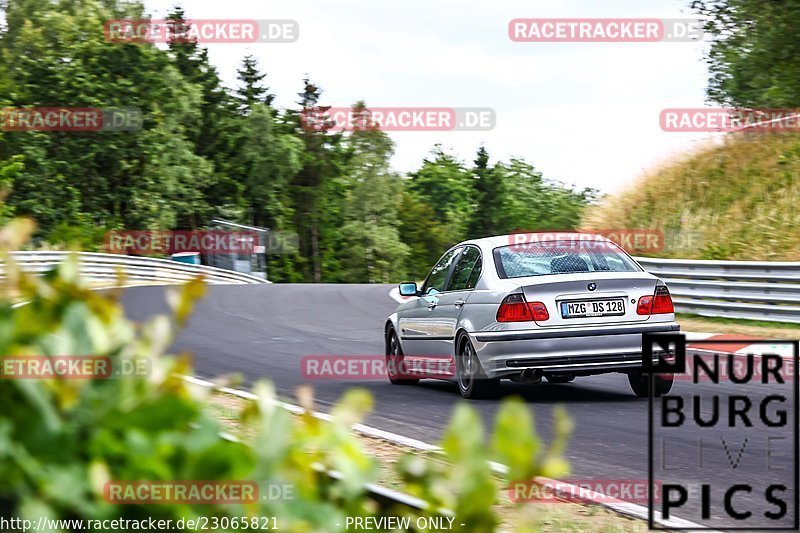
(489, 195)
(531, 203)
(369, 236)
(144, 178)
(267, 161)
(754, 57)
(252, 89)
(204, 150)
(426, 238)
(316, 197)
(448, 188)
(215, 132)
(9, 170)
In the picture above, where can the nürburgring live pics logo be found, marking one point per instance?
(724, 449)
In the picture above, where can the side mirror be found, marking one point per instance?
(408, 288)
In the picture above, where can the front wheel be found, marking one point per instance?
(640, 384)
(394, 361)
(472, 380)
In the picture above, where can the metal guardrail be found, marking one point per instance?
(388, 500)
(102, 268)
(735, 289)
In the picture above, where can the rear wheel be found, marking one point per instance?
(640, 384)
(559, 378)
(394, 360)
(472, 380)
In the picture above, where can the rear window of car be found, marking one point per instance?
(561, 257)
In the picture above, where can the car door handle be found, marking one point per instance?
(459, 303)
(431, 306)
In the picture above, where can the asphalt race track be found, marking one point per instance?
(263, 331)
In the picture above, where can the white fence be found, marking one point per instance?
(735, 289)
(103, 268)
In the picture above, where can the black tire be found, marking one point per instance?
(394, 358)
(559, 378)
(640, 384)
(472, 381)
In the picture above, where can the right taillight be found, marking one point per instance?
(514, 308)
(662, 301)
(645, 305)
(658, 304)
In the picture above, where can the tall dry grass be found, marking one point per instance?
(734, 200)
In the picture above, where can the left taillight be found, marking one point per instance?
(539, 311)
(658, 304)
(514, 308)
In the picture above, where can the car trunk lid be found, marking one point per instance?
(600, 299)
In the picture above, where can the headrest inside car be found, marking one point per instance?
(566, 264)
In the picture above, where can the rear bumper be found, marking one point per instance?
(579, 350)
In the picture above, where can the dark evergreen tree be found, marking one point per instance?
(489, 191)
(252, 89)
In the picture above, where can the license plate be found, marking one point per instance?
(586, 308)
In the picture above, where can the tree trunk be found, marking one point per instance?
(315, 251)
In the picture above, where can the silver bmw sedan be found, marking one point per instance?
(526, 307)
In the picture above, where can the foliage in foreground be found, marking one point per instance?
(61, 440)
